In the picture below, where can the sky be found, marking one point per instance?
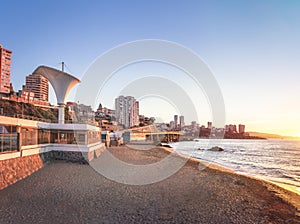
(251, 47)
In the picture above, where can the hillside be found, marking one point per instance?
(29, 111)
(267, 135)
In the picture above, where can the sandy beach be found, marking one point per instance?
(63, 192)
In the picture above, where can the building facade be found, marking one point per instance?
(176, 121)
(241, 128)
(209, 125)
(231, 128)
(39, 86)
(26, 96)
(134, 118)
(5, 66)
(172, 125)
(105, 111)
(127, 111)
(181, 121)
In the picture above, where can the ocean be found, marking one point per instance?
(277, 161)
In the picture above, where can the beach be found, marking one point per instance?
(64, 192)
(273, 160)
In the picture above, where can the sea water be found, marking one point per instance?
(277, 161)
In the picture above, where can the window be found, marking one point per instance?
(9, 138)
(29, 136)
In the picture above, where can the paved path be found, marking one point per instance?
(73, 193)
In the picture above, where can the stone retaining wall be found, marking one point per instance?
(68, 156)
(13, 170)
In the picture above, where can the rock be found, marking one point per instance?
(216, 149)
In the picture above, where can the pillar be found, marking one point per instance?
(61, 113)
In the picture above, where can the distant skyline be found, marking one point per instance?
(252, 48)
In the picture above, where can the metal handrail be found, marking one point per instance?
(28, 117)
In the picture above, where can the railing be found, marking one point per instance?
(80, 122)
(22, 116)
(27, 117)
(12, 136)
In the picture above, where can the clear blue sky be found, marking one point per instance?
(252, 47)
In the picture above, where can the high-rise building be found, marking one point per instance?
(38, 85)
(241, 128)
(176, 121)
(209, 125)
(181, 121)
(5, 65)
(127, 111)
(135, 114)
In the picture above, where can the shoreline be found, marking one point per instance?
(281, 185)
(64, 192)
(286, 186)
(288, 194)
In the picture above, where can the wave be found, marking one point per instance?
(270, 160)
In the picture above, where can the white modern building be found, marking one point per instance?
(127, 111)
(21, 137)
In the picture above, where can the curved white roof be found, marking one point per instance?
(61, 82)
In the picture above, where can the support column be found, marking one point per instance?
(61, 113)
(19, 132)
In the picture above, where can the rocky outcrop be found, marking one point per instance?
(214, 149)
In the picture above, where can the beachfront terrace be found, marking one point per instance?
(25, 145)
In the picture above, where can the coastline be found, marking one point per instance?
(287, 194)
(274, 180)
(63, 192)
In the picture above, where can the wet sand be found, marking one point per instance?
(64, 192)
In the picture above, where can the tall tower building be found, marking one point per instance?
(241, 128)
(181, 121)
(134, 118)
(5, 65)
(209, 125)
(176, 121)
(39, 86)
(127, 111)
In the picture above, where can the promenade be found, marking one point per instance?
(64, 192)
